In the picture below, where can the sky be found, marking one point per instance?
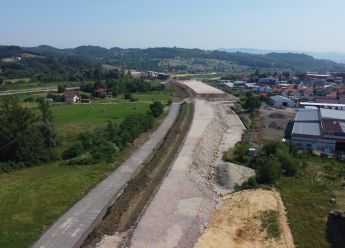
(303, 25)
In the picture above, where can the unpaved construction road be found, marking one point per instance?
(179, 212)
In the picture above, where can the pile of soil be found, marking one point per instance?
(275, 125)
(277, 116)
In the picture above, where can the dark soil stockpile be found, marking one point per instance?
(130, 204)
(277, 116)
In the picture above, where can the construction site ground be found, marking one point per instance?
(271, 124)
(237, 222)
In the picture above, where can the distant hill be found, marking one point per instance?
(336, 57)
(48, 63)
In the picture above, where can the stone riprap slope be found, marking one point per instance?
(180, 209)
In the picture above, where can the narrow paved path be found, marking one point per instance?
(76, 224)
(32, 90)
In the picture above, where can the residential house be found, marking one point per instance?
(71, 96)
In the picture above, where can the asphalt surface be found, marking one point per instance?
(32, 90)
(77, 223)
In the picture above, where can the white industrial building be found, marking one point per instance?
(319, 129)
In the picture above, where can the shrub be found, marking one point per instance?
(288, 163)
(104, 152)
(82, 159)
(73, 151)
(240, 152)
(157, 108)
(268, 169)
(250, 183)
(61, 88)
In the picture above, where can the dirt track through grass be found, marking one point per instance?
(128, 207)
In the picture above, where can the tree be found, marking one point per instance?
(252, 103)
(49, 133)
(268, 169)
(20, 137)
(61, 88)
(157, 108)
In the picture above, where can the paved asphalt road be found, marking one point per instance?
(33, 90)
(76, 224)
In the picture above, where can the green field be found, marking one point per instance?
(32, 198)
(306, 198)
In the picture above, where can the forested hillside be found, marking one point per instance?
(46, 63)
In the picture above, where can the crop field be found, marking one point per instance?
(32, 198)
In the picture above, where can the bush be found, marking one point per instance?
(104, 152)
(82, 159)
(10, 166)
(73, 151)
(250, 183)
(268, 170)
(61, 88)
(240, 152)
(288, 163)
(157, 108)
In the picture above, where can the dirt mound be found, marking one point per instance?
(275, 125)
(237, 223)
(277, 116)
(230, 176)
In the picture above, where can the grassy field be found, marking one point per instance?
(72, 119)
(32, 198)
(306, 198)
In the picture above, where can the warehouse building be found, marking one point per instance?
(281, 101)
(319, 130)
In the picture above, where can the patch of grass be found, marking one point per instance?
(31, 199)
(271, 224)
(306, 198)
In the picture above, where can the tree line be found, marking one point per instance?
(104, 144)
(28, 139)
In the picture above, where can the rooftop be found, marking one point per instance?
(307, 128)
(332, 114)
(307, 115)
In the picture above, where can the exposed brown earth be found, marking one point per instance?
(237, 223)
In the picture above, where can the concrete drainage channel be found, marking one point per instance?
(115, 228)
(77, 223)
